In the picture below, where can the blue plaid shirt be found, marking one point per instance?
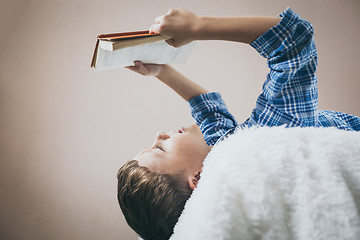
(289, 95)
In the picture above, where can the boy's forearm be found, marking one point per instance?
(182, 27)
(239, 29)
(183, 86)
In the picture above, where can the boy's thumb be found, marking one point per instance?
(171, 42)
(154, 28)
(137, 64)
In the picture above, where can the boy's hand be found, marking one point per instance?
(178, 24)
(146, 69)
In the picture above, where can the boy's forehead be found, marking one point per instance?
(148, 157)
(149, 151)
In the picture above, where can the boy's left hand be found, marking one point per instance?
(146, 69)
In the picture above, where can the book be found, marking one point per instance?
(122, 49)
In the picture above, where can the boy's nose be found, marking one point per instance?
(162, 135)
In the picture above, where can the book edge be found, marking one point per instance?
(93, 61)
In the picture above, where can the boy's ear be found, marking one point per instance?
(193, 180)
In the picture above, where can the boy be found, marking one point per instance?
(153, 188)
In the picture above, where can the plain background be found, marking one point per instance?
(66, 129)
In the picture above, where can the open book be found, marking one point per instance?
(122, 49)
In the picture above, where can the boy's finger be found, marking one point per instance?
(172, 11)
(159, 19)
(137, 64)
(133, 68)
(140, 68)
(136, 67)
(171, 42)
(155, 28)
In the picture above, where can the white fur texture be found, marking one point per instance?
(277, 183)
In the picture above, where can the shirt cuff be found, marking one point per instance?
(201, 102)
(267, 43)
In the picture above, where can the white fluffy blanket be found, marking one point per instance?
(277, 183)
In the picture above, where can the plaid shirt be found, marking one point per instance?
(289, 95)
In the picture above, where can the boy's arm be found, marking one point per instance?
(183, 86)
(183, 27)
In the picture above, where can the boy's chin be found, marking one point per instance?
(193, 128)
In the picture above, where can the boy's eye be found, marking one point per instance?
(160, 147)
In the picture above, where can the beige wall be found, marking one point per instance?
(66, 129)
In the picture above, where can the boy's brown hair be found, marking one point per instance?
(151, 202)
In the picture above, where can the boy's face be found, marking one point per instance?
(171, 152)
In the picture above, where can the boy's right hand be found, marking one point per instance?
(147, 69)
(178, 24)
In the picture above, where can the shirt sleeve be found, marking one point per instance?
(212, 116)
(289, 95)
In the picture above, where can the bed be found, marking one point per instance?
(277, 183)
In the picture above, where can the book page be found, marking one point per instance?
(157, 53)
